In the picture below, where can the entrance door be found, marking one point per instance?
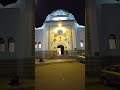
(60, 50)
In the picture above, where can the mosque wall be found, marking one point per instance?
(61, 31)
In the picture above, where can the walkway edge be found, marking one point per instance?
(55, 62)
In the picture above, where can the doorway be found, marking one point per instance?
(60, 50)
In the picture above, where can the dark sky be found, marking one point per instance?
(45, 7)
(6, 2)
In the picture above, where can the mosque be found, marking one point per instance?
(60, 35)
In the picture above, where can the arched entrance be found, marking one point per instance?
(60, 50)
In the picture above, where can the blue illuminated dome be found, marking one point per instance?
(59, 14)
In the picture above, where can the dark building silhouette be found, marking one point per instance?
(102, 34)
(17, 38)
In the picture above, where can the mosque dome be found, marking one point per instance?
(59, 14)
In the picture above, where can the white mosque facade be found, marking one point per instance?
(60, 33)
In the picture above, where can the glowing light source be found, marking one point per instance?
(59, 51)
(35, 45)
(39, 44)
(81, 43)
(59, 24)
(59, 18)
(60, 28)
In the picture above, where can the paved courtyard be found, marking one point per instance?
(60, 76)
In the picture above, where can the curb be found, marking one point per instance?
(47, 63)
(93, 81)
(20, 88)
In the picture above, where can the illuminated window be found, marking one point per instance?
(11, 45)
(2, 45)
(35, 45)
(81, 43)
(39, 44)
(112, 41)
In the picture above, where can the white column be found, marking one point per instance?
(73, 37)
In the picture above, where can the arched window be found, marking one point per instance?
(35, 45)
(39, 44)
(11, 45)
(112, 41)
(2, 45)
(81, 43)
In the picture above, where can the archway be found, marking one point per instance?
(60, 50)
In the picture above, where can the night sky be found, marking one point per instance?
(45, 7)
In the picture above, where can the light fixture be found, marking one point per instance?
(60, 28)
(60, 24)
(39, 44)
(81, 43)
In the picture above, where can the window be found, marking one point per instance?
(11, 45)
(35, 45)
(39, 44)
(81, 43)
(112, 41)
(2, 45)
